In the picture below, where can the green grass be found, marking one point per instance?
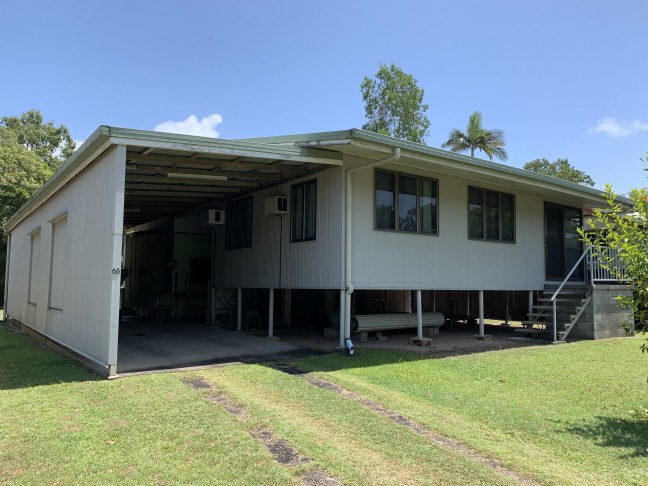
(557, 414)
(560, 413)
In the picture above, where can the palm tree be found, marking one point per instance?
(491, 142)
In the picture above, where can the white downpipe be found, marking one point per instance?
(212, 280)
(530, 301)
(481, 313)
(342, 317)
(348, 234)
(239, 309)
(419, 316)
(271, 313)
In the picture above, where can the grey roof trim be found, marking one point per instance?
(315, 139)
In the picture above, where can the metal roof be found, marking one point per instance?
(363, 143)
(168, 174)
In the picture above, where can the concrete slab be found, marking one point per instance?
(155, 345)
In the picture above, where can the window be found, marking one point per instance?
(57, 271)
(406, 203)
(33, 267)
(238, 223)
(491, 215)
(303, 211)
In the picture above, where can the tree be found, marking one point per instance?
(627, 236)
(394, 105)
(51, 143)
(491, 142)
(561, 169)
(23, 172)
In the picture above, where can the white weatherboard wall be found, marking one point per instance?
(89, 209)
(317, 264)
(394, 260)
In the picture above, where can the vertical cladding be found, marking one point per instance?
(89, 203)
(398, 260)
(304, 264)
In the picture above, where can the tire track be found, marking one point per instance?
(413, 426)
(280, 450)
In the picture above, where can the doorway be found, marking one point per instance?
(563, 245)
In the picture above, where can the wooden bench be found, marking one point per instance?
(364, 324)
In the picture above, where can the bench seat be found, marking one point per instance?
(386, 322)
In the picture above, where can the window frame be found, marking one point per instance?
(396, 221)
(57, 268)
(233, 240)
(294, 205)
(485, 226)
(34, 263)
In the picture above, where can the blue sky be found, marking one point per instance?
(564, 79)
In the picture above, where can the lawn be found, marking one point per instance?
(549, 415)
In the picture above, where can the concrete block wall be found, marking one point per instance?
(604, 318)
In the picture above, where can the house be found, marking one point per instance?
(349, 218)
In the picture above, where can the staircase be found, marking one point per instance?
(570, 304)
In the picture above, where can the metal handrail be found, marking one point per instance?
(553, 297)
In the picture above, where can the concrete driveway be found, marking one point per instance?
(157, 345)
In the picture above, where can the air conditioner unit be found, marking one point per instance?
(276, 205)
(212, 217)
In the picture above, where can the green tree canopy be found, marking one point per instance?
(23, 172)
(476, 137)
(53, 144)
(394, 105)
(561, 169)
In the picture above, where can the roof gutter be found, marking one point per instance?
(348, 233)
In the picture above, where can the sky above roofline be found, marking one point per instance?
(562, 79)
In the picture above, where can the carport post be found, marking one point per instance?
(271, 313)
(239, 309)
(481, 313)
(530, 301)
(342, 317)
(419, 316)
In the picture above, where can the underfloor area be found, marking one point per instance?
(146, 345)
(454, 341)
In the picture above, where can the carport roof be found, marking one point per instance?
(168, 174)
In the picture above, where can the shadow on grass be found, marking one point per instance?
(623, 433)
(25, 364)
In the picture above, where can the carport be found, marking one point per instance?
(67, 245)
(170, 181)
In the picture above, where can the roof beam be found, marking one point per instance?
(208, 162)
(173, 189)
(141, 168)
(163, 196)
(172, 182)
